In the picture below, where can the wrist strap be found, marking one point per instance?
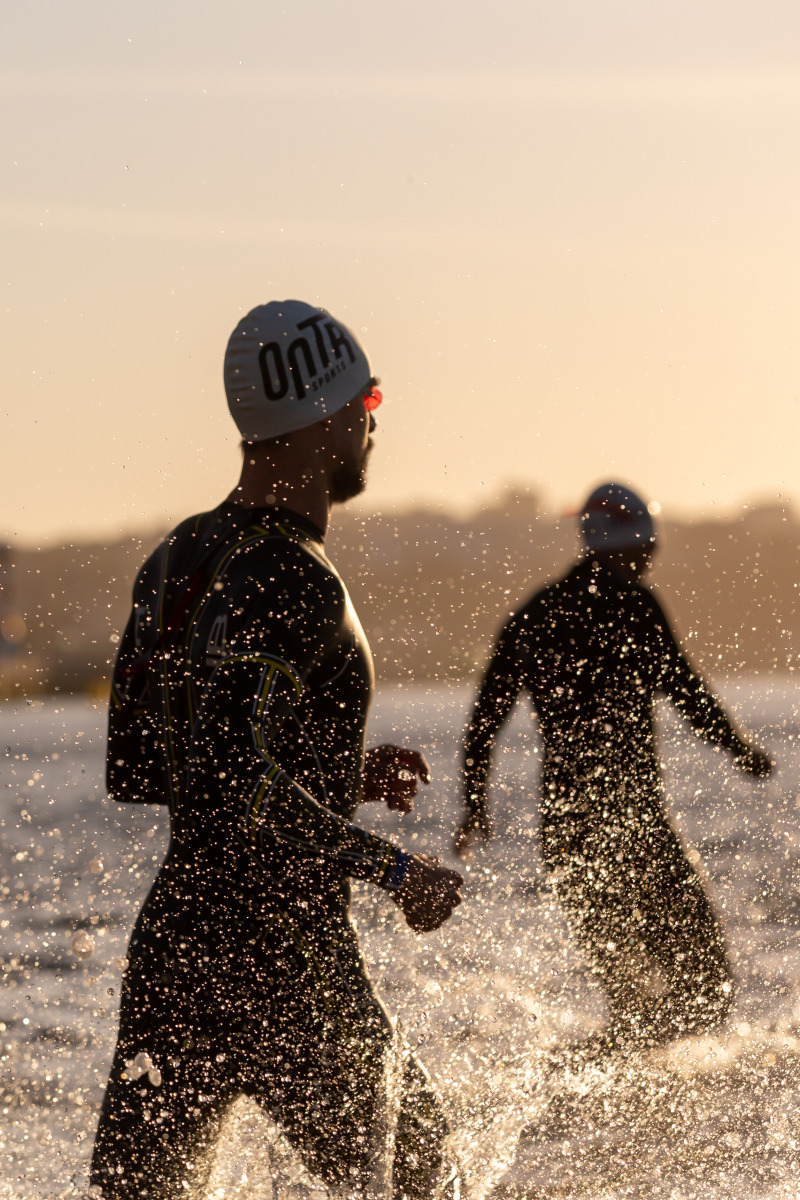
(394, 878)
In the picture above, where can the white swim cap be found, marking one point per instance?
(289, 365)
(615, 518)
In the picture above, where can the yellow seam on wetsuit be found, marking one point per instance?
(383, 866)
(254, 534)
(322, 976)
(257, 534)
(326, 991)
(262, 698)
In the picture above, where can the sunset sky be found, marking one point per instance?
(567, 233)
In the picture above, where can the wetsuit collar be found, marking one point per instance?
(603, 573)
(276, 513)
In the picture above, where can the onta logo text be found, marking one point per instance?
(310, 361)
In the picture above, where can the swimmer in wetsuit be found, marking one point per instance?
(592, 651)
(240, 698)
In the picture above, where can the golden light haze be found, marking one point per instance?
(566, 233)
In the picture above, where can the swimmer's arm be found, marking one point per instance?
(248, 702)
(293, 614)
(391, 776)
(134, 766)
(270, 808)
(692, 698)
(496, 697)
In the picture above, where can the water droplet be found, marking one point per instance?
(83, 944)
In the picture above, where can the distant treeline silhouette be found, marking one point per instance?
(432, 589)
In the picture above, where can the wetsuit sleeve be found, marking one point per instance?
(134, 761)
(689, 693)
(497, 695)
(249, 707)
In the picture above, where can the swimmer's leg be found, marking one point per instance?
(422, 1168)
(169, 1086)
(159, 1145)
(683, 935)
(158, 1129)
(342, 1087)
(600, 908)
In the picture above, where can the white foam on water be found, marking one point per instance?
(485, 1002)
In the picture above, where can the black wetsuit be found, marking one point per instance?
(240, 697)
(592, 651)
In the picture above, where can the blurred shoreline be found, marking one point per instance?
(431, 590)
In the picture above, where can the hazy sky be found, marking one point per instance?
(567, 232)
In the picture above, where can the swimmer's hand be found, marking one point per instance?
(429, 893)
(755, 762)
(391, 775)
(477, 824)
